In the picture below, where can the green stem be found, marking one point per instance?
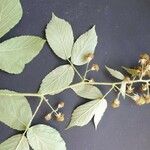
(86, 71)
(75, 69)
(29, 124)
(74, 85)
(50, 106)
(109, 91)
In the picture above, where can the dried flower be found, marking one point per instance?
(147, 99)
(115, 103)
(95, 67)
(135, 97)
(144, 87)
(61, 104)
(60, 117)
(48, 117)
(144, 58)
(89, 57)
(130, 89)
(140, 101)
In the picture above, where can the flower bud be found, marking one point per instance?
(48, 117)
(95, 67)
(61, 104)
(115, 103)
(60, 117)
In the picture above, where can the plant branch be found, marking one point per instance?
(28, 126)
(74, 85)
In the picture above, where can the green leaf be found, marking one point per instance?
(42, 137)
(133, 72)
(115, 73)
(123, 89)
(57, 80)
(18, 51)
(12, 143)
(10, 14)
(59, 35)
(84, 45)
(84, 113)
(14, 110)
(87, 91)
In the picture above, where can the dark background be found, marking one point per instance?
(123, 28)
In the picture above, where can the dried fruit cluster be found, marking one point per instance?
(140, 94)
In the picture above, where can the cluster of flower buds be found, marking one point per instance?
(58, 116)
(141, 99)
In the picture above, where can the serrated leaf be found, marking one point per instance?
(115, 73)
(18, 51)
(15, 111)
(57, 80)
(123, 89)
(10, 14)
(87, 91)
(12, 143)
(59, 35)
(100, 112)
(133, 72)
(84, 113)
(85, 44)
(42, 137)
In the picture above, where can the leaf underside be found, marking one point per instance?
(84, 113)
(59, 35)
(87, 91)
(43, 137)
(15, 111)
(85, 44)
(10, 14)
(12, 143)
(18, 51)
(57, 80)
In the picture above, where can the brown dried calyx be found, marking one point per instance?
(57, 115)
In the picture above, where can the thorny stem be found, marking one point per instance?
(28, 126)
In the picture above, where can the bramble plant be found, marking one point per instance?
(15, 110)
